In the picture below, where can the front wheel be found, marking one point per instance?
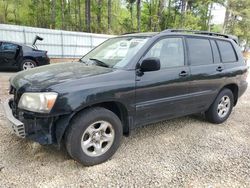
(93, 136)
(221, 108)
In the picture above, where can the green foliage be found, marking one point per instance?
(155, 15)
(238, 22)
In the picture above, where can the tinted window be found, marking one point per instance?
(8, 47)
(226, 51)
(170, 52)
(200, 52)
(215, 52)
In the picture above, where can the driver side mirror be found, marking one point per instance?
(150, 64)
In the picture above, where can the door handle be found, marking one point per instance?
(183, 74)
(219, 69)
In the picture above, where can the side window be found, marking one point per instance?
(227, 52)
(8, 47)
(170, 51)
(200, 52)
(215, 52)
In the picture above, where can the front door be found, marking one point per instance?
(163, 94)
(8, 54)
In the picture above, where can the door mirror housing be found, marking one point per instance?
(150, 64)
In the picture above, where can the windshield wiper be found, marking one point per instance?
(99, 62)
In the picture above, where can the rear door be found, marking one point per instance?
(163, 94)
(229, 58)
(206, 72)
(8, 54)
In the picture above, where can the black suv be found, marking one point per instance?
(126, 82)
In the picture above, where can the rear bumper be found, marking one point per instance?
(43, 61)
(242, 88)
(14, 124)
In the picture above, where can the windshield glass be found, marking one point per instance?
(115, 52)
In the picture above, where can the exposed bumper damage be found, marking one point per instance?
(44, 130)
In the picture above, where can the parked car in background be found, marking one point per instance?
(124, 83)
(22, 57)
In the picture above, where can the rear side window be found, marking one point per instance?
(8, 47)
(227, 52)
(200, 52)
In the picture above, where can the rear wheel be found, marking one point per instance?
(221, 108)
(28, 64)
(93, 136)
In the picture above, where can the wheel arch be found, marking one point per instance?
(116, 107)
(28, 58)
(235, 90)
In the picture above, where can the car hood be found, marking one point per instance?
(41, 78)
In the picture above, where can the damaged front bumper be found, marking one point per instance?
(14, 124)
(26, 125)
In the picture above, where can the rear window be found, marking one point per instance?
(200, 52)
(227, 52)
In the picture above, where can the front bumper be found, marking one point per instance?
(14, 124)
(24, 125)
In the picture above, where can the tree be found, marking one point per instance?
(109, 15)
(79, 15)
(87, 15)
(138, 15)
(130, 7)
(238, 20)
(62, 14)
(161, 7)
(99, 14)
(5, 10)
(53, 14)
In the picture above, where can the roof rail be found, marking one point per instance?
(235, 38)
(129, 33)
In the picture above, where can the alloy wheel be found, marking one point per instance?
(28, 65)
(97, 138)
(224, 106)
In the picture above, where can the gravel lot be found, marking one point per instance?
(185, 152)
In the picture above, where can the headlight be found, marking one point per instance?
(38, 102)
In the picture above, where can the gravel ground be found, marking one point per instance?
(185, 152)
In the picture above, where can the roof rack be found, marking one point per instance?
(235, 38)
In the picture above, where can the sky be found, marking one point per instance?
(218, 13)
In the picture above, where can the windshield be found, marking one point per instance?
(115, 52)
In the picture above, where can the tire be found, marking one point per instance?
(85, 128)
(215, 113)
(27, 64)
